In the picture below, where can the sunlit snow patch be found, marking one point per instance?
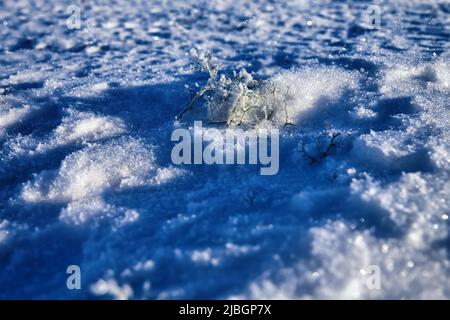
(13, 112)
(85, 175)
(402, 80)
(116, 165)
(85, 127)
(307, 88)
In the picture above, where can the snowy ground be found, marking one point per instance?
(86, 176)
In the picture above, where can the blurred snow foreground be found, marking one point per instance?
(358, 209)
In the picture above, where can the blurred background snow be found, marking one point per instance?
(86, 178)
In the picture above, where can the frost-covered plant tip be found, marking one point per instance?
(240, 101)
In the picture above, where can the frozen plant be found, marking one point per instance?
(240, 101)
(320, 148)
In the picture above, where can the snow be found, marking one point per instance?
(312, 87)
(119, 164)
(11, 115)
(86, 126)
(86, 177)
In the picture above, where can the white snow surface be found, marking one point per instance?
(86, 177)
